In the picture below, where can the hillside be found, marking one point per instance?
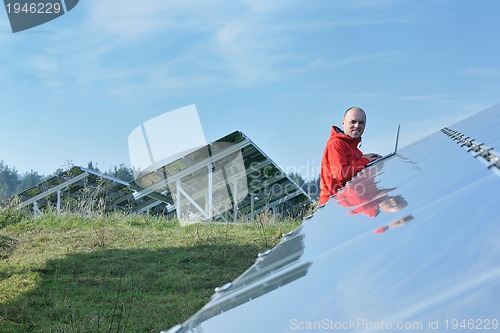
(110, 273)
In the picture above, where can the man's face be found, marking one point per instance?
(354, 123)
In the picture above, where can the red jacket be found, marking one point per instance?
(341, 161)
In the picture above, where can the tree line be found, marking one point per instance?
(311, 187)
(11, 182)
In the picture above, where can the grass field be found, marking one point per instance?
(102, 273)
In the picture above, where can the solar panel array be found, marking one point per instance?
(229, 179)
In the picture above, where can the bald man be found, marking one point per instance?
(342, 159)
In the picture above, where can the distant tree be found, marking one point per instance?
(297, 178)
(311, 187)
(9, 178)
(4, 190)
(57, 172)
(93, 167)
(28, 180)
(121, 172)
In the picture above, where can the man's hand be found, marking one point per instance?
(372, 156)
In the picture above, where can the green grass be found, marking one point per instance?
(70, 273)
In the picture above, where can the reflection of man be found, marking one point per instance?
(396, 224)
(342, 158)
(388, 204)
(366, 198)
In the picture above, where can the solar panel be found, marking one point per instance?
(228, 179)
(69, 188)
(409, 244)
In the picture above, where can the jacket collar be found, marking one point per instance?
(337, 132)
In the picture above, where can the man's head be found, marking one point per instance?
(354, 122)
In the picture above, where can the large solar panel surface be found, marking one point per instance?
(409, 245)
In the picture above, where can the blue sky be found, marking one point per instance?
(280, 71)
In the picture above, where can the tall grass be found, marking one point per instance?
(99, 272)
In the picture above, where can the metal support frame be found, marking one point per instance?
(209, 210)
(58, 201)
(203, 163)
(56, 189)
(36, 209)
(52, 190)
(235, 207)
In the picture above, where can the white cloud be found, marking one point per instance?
(248, 51)
(362, 58)
(135, 21)
(482, 71)
(263, 7)
(130, 20)
(189, 44)
(425, 98)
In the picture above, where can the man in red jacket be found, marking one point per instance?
(342, 158)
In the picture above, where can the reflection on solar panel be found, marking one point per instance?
(79, 187)
(228, 179)
(410, 244)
